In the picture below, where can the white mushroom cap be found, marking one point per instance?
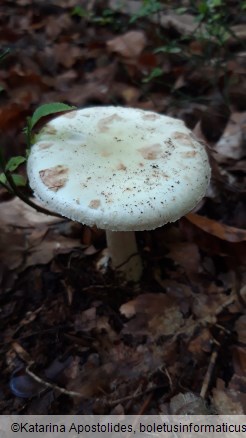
(120, 169)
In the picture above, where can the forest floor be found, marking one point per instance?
(73, 339)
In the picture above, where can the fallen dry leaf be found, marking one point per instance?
(240, 327)
(231, 143)
(201, 343)
(239, 360)
(155, 313)
(188, 404)
(226, 401)
(26, 238)
(15, 213)
(129, 45)
(222, 231)
(186, 254)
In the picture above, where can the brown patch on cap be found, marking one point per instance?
(151, 116)
(70, 114)
(151, 152)
(45, 145)
(105, 153)
(55, 177)
(189, 154)
(103, 123)
(49, 130)
(121, 166)
(95, 203)
(185, 138)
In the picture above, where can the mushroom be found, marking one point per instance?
(121, 169)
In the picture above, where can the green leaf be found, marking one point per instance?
(4, 54)
(14, 162)
(46, 110)
(168, 49)
(79, 12)
(156, 72)
(203, 8)
(215, 3)
(3, 179)
(181, 10)
(148, 7)
(19, 180)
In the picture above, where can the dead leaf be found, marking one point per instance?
(201, 343)
(239, 360)
(217, 229)
(214, 120)
(209, 306)
(188, 404)
(155, 313)
(240, 327)
(12, 246)
(11, 115)
(186, 254)
(226, 401)
(25, 236)
(129, 45)
(17, 214)
(231, 143)
(94, 381)
(66, 54)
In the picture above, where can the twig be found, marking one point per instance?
(132, 396)
(209, 372)
(164, 370)
(51, 385)
(145, 404)
(136, 392)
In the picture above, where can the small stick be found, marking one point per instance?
(209, 372)
(51, 385)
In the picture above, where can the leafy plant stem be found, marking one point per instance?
(25, 199)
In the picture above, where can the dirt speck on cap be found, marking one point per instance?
(151, 152)
(95, 203)
(121, 166)
(55, 177)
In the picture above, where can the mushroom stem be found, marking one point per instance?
(124, 254)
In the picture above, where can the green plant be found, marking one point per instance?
(107, 16)
(213, 21)
(155, 73)
(4, 54)
(8, 177)
(213, 17)
(148, 7)
(79, 11)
